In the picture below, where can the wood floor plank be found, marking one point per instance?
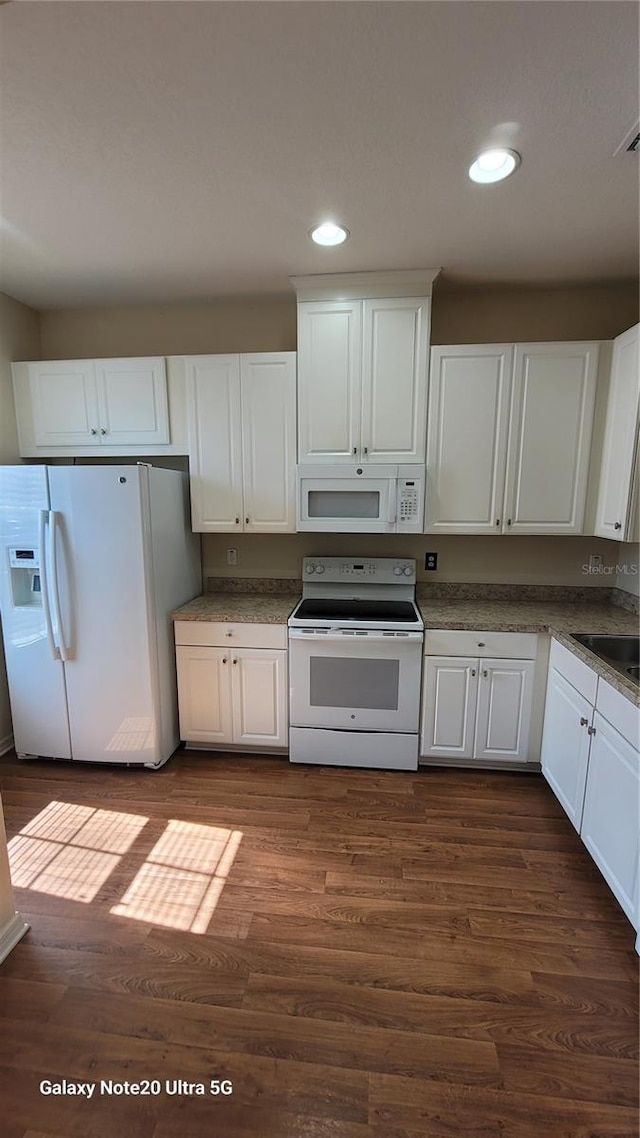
(388, 955)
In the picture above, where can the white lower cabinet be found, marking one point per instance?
(232, 696)
(476, 707)
(594, 769)
(565, 744)
(610, 819)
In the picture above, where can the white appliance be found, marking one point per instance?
(360, 499)
(93, 560)
(355, 659)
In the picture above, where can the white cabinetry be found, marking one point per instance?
(614, 516)
(509, 437)
(362, 379)
(82, 406)
(232, 694)
(241, 424)
(591, 761)
(477, 707)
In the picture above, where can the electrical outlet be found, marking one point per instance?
(596, 561)
(232, 557)
(431, 560)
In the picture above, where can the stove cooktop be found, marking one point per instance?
(356, 610)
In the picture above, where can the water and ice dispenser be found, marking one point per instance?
(24, 569)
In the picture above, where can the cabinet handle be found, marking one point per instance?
(235, 661)
(93, 431)
(237, 521)
(473, 671)
(355, 450)
(246, 521)
(103, 431)
(485, 673)
(618, 525)
(583, 721)
(224, 659)
(229, 633)
(497, 521)
(591, 730)
(508, 521)
(481, 644)
(366, 450)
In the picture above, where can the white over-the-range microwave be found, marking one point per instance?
(360, 499)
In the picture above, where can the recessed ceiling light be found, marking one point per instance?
(494, 165)
(329, 234)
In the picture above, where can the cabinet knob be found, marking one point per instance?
(473, 671)
(235, 661)
(366, 450)
(224, 659)
(102, 431)
(583, 721)
(618, 525)
(481, 644)
(508, 521)
(355, 450)
(93, 431)
(497, 521)
(246, 521)
(237, 521)
(591, 730)
(485, 673)
(230, 633)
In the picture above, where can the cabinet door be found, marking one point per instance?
(132, 401)
(268, 385)
(64, 403)
(394, 379)
(259, 697)
(204, 694)
(329, 380)
(610, 821)
(565, 744)
(215, 443)
(619, 438)
(469, 399)
(450, 691)
(505, 695)
(550, 437)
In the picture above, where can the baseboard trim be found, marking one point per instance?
(12, 932)
(6, 744)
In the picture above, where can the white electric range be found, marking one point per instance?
(355, 659)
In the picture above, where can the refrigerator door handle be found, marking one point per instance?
(44, 584)
(55, 591)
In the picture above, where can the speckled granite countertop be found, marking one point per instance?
(240, 608)
(559, 619)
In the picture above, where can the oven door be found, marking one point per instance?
(355, 680)
(347, 504)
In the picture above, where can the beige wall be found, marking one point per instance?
(19, 340)
(509, 559)
(628, 569)
(270, 325)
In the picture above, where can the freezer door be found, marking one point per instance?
(34, 668)
(106, 633)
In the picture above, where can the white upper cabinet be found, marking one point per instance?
(67, 407)
(362, 367)
(329, 380)
(509, 437)
(554, 387)
(241, 422)
(469, 400)
(614, 516)
(394, 380)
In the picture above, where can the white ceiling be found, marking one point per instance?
(156, 152)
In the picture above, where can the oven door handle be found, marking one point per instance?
(334, 635)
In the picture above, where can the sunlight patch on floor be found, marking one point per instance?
(180, 883)
(69, 850)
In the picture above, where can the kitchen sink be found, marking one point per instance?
(622, 652)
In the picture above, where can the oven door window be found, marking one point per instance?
(360, 504)
(356, 683)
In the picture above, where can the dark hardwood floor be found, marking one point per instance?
(361, 954)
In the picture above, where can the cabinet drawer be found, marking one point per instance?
(221, 634)
(574, 670)
(620, 711)
(503, 645)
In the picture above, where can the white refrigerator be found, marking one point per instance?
(93, 560)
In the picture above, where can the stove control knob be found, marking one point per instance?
(320, 568)
(398, 570)
(311, 568)
(407, 570)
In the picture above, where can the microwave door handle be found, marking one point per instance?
(55, 591)
(393, 505)
(44, 584)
